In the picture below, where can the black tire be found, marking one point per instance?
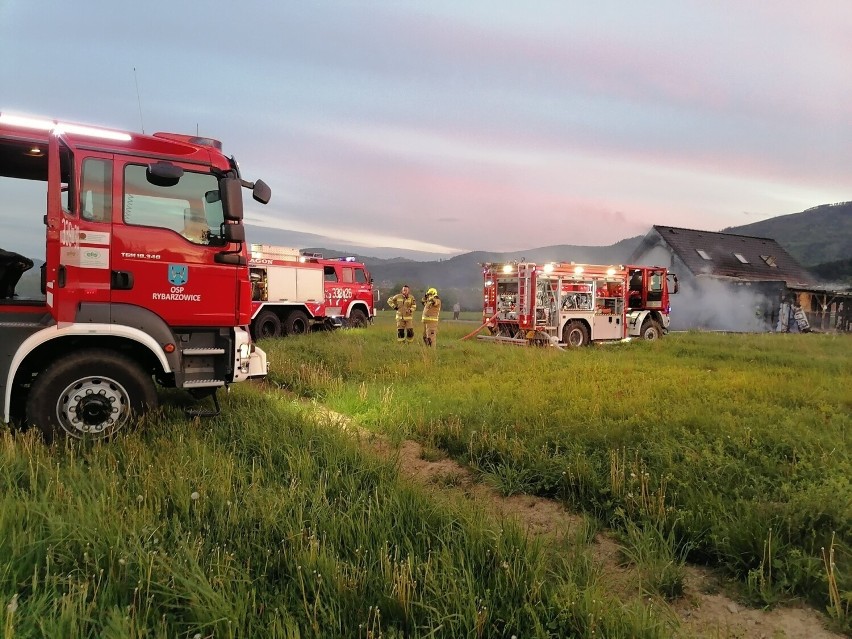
(357, 318)
(89, 394)
(266, 325)
(296, 323)
(575, 334)
(651, 330)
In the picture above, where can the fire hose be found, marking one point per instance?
(481, 326)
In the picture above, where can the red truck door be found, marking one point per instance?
(657, 294)
(63, 286)
(165, 238)
(363, 287)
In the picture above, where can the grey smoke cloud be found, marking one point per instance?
(712, 304)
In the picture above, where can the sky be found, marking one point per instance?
(445, 126)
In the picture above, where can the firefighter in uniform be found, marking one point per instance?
(431, 311)
(404, 304)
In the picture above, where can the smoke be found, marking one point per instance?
(714, 304)
(718, 305)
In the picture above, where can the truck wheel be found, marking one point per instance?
(357, 318)
(575, 334)
(266, 324)
(296, 323)
(91, 393)
(651, 330)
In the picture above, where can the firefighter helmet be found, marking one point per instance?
(432, 292)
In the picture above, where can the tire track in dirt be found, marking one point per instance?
(701, 613)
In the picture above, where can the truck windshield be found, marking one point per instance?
(191, 208)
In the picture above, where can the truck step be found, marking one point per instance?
(197, 411)
(203, 351)
(203, 383)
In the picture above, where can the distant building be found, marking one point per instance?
(740, 283)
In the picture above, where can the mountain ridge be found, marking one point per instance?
(815, 236)
(819, 238)
(819, 235)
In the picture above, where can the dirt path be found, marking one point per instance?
(702, 612)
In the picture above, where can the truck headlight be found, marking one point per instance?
(245, 357)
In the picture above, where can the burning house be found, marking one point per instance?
(741, 283)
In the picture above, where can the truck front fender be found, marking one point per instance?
(53, 335)
(359, 304)
(635, 320)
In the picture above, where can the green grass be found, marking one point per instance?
(720, 442)
(657, 559)
(269, 522)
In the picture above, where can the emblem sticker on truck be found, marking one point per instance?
(178, 275)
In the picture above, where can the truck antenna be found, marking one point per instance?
(139, 100)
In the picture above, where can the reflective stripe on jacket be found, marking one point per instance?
(404, 306)
(431, 308)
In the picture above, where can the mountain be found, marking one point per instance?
(818, 235)
(460, 277)
(463, 271)
(839, 272)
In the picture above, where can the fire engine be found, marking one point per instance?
(571, 305)
(294, 292)
(144, 275)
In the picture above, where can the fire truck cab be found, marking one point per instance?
(142, 274)
(572, 305)
(294, 292)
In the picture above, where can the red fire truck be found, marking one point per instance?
(567, 304)
(294, 292)
(144, 275)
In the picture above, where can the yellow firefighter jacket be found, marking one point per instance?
(403, 305)
(431, 308)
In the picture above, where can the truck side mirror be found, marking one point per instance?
(235, 233)
(232, 198)
(261, 192)
(163, 173)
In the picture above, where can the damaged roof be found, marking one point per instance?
(728, 255)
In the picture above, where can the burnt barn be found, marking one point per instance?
(741, 283)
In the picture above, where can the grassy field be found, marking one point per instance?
(268, 521)
(736, 448)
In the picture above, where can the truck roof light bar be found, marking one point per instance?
(60, 127)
